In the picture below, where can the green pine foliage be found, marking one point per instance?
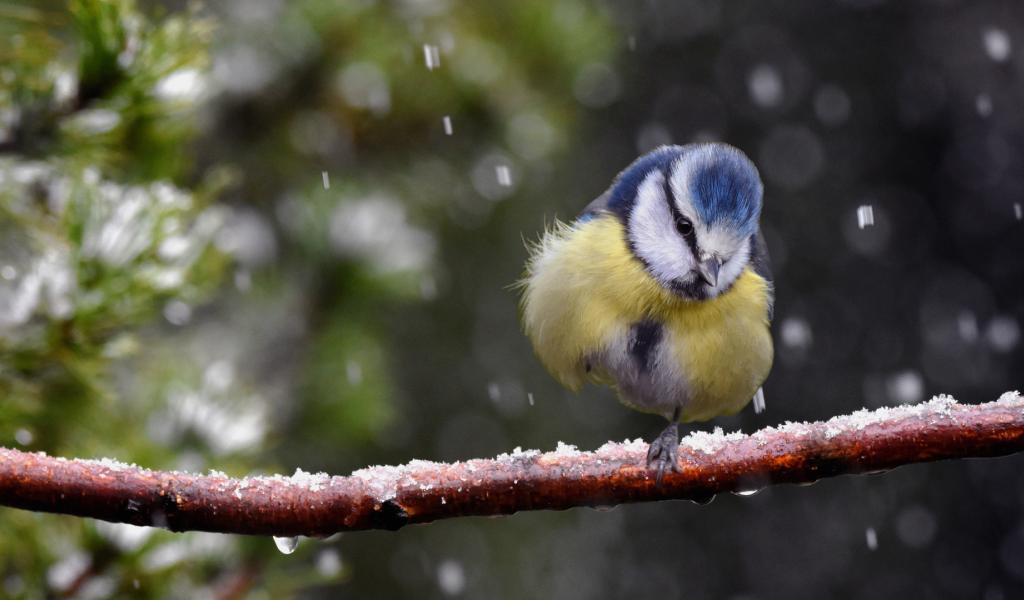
(179, 288)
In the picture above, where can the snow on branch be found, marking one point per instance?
(421, 491)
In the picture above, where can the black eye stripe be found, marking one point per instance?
(670, 198)
(677, 217)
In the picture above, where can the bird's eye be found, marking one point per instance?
(684, 226)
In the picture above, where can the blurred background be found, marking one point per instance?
(255, 235)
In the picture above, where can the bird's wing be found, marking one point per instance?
(762, 265)
(599, 204)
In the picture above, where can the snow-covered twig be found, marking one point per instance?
(421, 491)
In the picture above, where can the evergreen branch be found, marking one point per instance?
(421, 491)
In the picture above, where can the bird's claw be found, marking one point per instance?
(664, 452)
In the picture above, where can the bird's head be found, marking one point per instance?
(690, 213)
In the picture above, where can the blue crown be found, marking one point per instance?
(724, 185)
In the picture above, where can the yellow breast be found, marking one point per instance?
(584, 290)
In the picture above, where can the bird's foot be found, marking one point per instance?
(664, 451)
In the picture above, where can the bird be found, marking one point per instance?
(660, 288)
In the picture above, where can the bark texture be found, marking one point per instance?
(421, 491)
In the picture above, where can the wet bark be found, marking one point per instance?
(421, 491)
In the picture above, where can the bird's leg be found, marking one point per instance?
(665, 448)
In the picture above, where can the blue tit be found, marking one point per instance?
(660, 288)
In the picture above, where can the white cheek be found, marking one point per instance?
(653, 234)
(732, 268)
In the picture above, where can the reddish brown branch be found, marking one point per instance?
(420, 492)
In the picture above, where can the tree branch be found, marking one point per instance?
(421, 491)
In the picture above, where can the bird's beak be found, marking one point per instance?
(708, 271)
